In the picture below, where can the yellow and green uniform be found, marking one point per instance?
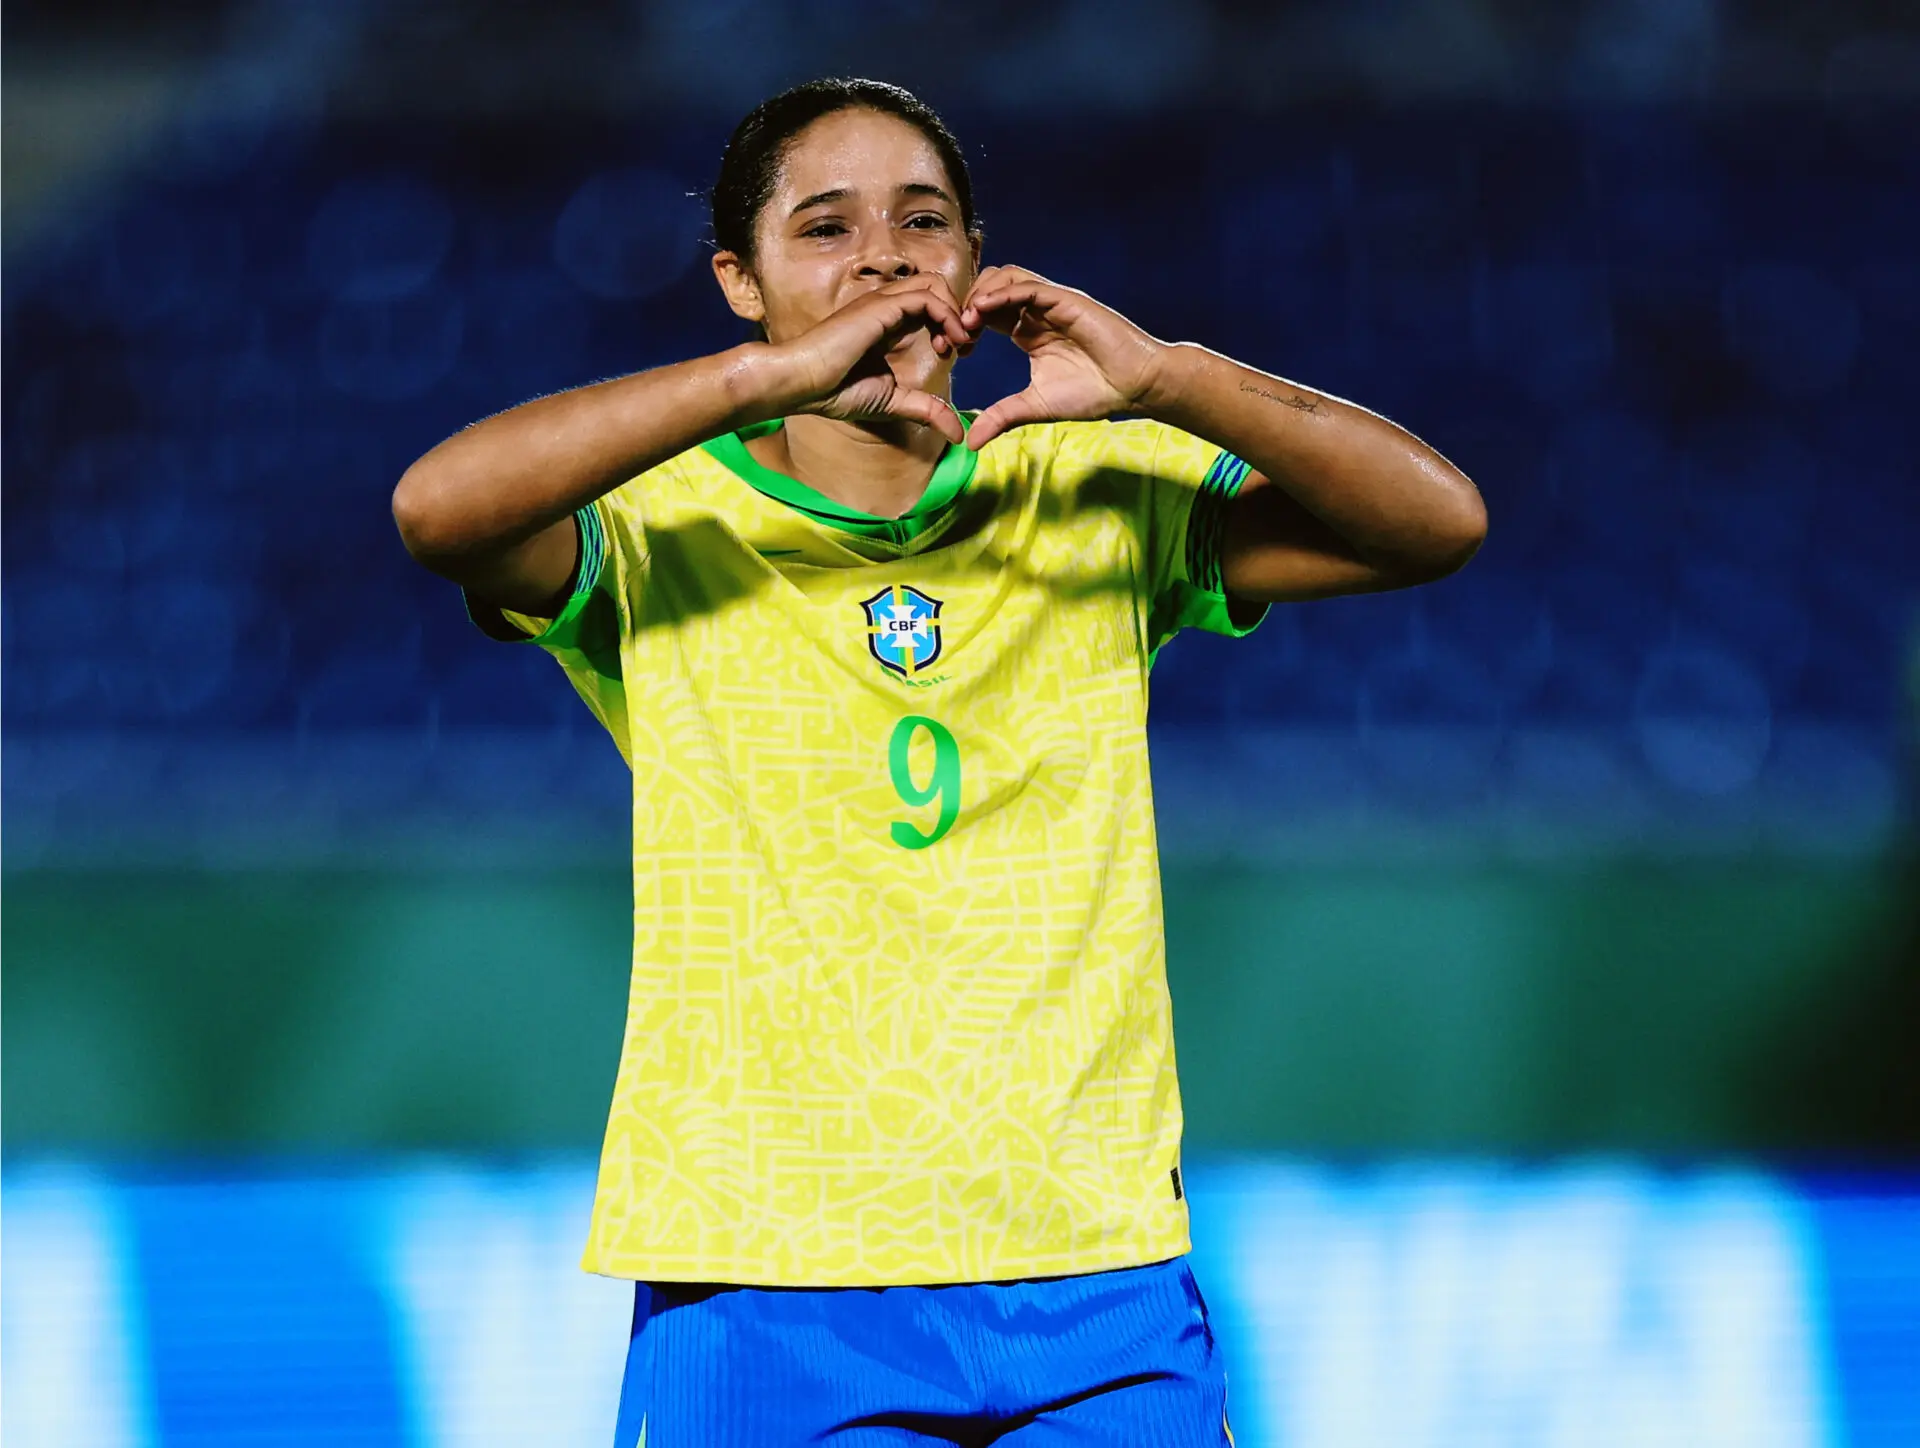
(899, 1009)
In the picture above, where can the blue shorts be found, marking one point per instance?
(1124, 1357)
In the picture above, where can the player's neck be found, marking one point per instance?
(878, 468)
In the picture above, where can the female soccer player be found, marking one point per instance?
(894, 1145)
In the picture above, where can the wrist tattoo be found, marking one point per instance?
(1299, 402)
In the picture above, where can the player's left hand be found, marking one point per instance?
(1086, 361)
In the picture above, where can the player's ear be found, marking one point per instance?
(741, 288)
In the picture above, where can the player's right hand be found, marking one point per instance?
(852, 365)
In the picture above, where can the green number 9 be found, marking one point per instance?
(944, 786)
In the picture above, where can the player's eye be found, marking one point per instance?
(824, 228)
(928, 221)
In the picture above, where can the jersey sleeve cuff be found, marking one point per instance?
(1206, 522)
(518, 628)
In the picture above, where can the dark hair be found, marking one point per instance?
(750, 166)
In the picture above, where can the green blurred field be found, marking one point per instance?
(1683, 1009)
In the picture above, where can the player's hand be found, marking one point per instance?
(852, 365)
(1086, 361)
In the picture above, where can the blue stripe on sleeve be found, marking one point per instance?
(1207, 521)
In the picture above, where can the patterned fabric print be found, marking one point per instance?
(899, 1008)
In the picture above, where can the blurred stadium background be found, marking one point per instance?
(1545, 944)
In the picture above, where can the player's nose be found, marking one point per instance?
(886, 262)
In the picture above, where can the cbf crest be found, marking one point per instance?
(903, 629)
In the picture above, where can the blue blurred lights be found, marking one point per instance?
(1551, 328)
(377, 237)
(391, 348)
(1595, 1305)
(628, 234)
(1797, 330)
(1703, 720)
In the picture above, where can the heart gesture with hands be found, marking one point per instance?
(1086, 361)
(871, 360)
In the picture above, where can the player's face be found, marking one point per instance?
(863, 199)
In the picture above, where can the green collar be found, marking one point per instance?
(950, 478)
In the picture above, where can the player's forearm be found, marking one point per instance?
(492, 486)
(1402, 507)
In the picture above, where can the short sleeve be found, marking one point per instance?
(1192, 481)
(585, 635)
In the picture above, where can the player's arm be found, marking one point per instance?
(1340, 501)
(491, 507)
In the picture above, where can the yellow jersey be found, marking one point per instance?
(899, 1010)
